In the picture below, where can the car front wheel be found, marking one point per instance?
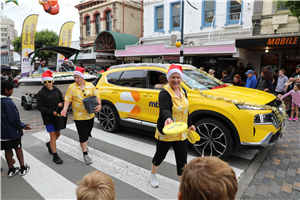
(215, 138)
(108, 119)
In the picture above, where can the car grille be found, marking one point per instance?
(275, 120)
(277, 104)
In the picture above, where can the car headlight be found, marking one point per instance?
(248, 107)
(263, 118)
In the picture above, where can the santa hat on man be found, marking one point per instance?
(42, 61)
(175, 69)
(47, 76)
(66, 59)
(79, 71)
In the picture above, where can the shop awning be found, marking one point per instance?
(111, 41)
(273, 42)
(5, 67)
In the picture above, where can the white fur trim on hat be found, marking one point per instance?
(79, 74)
(175, 70)
(47, 79)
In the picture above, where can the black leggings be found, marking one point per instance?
(180, 149)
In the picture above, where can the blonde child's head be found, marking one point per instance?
(97, 186)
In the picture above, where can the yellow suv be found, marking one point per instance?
(224, 115)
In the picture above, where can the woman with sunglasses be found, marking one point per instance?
(84, 121)
(48, 100)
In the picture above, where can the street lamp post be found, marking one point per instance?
(182, 20)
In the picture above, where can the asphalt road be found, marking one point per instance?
(125, 156)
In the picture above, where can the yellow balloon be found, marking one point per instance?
(178, 44)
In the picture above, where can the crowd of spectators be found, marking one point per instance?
(277, 83)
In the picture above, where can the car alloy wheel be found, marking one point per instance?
(215, 139)
(108, 119)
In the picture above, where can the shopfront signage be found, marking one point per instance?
(171, 57)
(268, 41)
(283, 41)
(161, 49)
(107, 57)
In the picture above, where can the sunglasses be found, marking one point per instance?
(297, 67)
(45, 82)
(83, 92)
(163, 77)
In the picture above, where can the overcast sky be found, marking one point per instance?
(66, 13)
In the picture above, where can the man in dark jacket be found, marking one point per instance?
(48, 100)
(11, 130)
(226, 77)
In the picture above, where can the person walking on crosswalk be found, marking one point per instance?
(84, 121)
(12, 130)
(48, 100)
(173, 107)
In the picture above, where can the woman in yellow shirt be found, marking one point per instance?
(84, 121)
(173, 107)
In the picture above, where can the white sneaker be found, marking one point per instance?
(153, 181)
(87, 159)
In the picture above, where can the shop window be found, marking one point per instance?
(208, 13)
(98, 27)
(175, 16)
(159, 18)
(88, 26)
(234, 12)
(108, 21)
(282, 8)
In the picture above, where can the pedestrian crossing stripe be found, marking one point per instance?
(124, 171)
(47, 182)
(139, 147)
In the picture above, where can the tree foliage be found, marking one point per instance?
(294, 7)
(42, 38)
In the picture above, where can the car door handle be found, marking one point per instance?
(114, 92)
(145, 95)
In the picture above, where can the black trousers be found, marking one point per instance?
(84, 129)
(180, 149)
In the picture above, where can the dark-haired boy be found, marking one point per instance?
(11, 130)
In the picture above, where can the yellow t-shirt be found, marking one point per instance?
(75, 95)
(180, 111)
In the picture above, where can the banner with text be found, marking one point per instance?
(65, 39)
(27, 45)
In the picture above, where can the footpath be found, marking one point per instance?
(278, 176)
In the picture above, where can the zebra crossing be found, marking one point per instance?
(52, 184)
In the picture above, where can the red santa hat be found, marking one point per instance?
(79, 71)
(66, 59)
(47, 76)
(175, 69)
(42, 61)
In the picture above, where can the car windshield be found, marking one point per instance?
(197, 80)
(61, 69)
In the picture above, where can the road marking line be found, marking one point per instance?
(127, 172)
(139, 147)
(47, 182)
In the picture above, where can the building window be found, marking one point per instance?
(159, 18)
(108, 21)
(5, 34)
(4, 29)
(282, 8)
(88, 26)
(234, 12)
(208, 13)
(175, 15)
(98, 27)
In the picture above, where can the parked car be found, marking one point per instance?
(223, 116)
